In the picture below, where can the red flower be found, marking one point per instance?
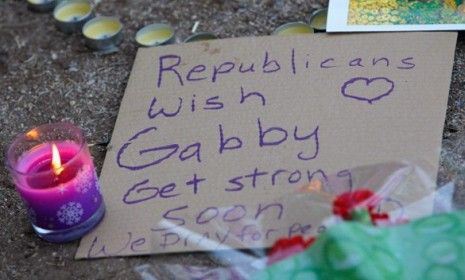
(347, 202)
(287, 247)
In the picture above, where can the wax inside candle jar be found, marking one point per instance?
(295, 30)
(319, 21)
(102, 29)
(73, 12)
(37, 163)
(153, 37)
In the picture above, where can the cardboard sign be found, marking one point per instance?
(212, 136)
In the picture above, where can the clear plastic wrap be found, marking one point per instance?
(405, 191)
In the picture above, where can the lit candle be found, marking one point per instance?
(54, 174)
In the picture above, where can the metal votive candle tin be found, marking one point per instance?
(200, 36)
(318, 19)
(71, 15)
(155, 35)
(41, 5)
(103, 33)
(293, 28)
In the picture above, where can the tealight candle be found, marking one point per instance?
(70, 15)
(155, 35)
(102, 33)
(41, 5)
(200, 36)
(54, 174)
(293, 28)
(318, 19)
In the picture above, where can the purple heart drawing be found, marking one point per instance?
(379, 86)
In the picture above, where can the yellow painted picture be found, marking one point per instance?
(405, 12)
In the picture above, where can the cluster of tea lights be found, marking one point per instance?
(104, 32)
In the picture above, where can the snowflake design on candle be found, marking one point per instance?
(70, 213)
(85, 180)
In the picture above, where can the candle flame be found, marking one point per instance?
(32, 134)
(56, 161)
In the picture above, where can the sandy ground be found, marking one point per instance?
(47, 76)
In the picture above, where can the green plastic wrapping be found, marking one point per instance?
(428, 248)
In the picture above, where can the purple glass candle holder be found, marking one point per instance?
(54, 174)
